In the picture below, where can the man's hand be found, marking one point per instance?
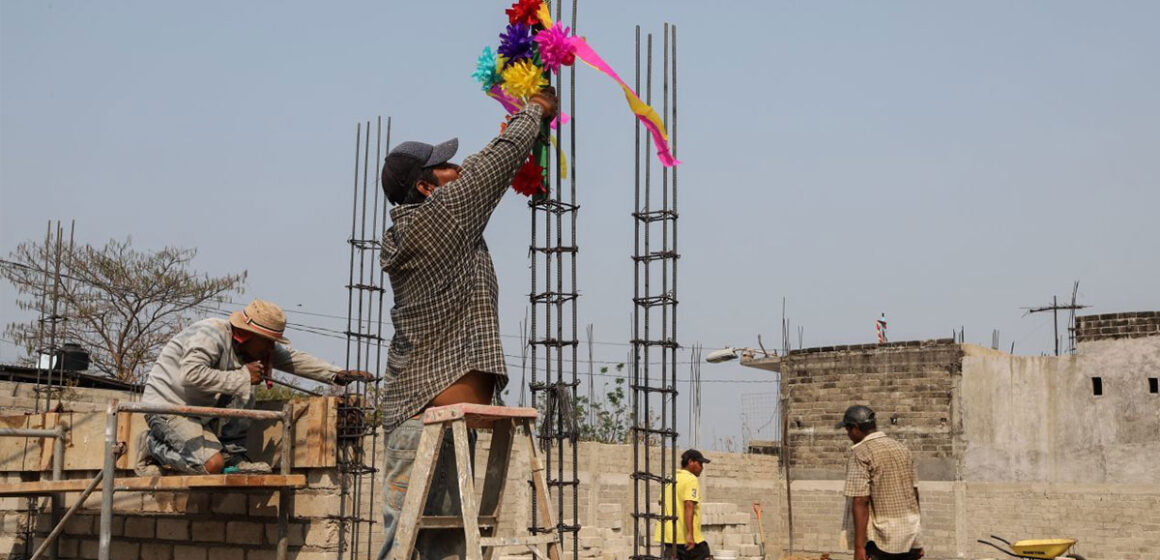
(257, 370)
(859, 553)
(689, 544)
(546, 98)
(347, 376)
(921, 553)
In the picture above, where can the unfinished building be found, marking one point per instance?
(1016, 446)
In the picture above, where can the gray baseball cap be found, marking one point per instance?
(856, 415)
(407, 160)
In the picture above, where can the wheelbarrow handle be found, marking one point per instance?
(1001, 539)
(1000, 549)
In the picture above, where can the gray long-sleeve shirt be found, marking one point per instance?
(200, 364)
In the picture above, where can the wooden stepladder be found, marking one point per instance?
(480, 519)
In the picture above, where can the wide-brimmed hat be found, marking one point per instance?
(262, 318)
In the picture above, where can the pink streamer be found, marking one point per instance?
(647, 116)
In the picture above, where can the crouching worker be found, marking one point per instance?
(216, 363)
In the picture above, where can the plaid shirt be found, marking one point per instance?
(881, 468)
(446, 295)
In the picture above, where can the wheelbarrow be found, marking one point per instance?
(1039, 549)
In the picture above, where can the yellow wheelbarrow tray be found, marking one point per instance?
(1039, 549)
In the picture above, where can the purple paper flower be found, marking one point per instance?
(516, 43)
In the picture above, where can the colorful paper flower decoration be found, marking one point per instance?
(523, 79)
(557, 47)
(516, 43)
(487, 70)
(529, 180)
(524, 11)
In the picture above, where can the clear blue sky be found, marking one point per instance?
(944, 163)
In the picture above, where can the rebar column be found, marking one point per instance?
(357, 408)
(654, 397)
(553, 317)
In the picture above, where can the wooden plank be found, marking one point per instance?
(478, 413)
(495, 476)
(161, 483)
(540, 487)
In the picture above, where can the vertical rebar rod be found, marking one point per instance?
(382, 207)
(106, 527)
(355, 445)
(647, 294)
(675, 259)
(635, 336)
(575, 294)
(665, 351)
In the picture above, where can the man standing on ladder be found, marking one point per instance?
(446, 348)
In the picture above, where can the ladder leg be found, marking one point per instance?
(470, 510)
(541, 489)
(495, 477)
(421, 473)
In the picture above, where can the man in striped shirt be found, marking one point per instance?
(445, 349)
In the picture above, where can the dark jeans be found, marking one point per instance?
(682, 552)
(872, 553)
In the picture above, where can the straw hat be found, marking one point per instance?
(262, 318)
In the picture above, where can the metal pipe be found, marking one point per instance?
(57, 473)
(199, 411)
(27, 432)
(106, 533)
(283, 493)
(56, 530)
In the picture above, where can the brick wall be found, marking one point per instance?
(908, 384)
(1136, 324)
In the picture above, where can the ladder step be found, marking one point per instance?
(497, 542)
(453, 522)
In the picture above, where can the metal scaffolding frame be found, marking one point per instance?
(654, 406)
(358, 416)
(553, 316)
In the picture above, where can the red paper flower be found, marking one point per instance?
(524, 11)
(529, 180)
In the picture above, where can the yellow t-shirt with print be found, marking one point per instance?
(688, 490)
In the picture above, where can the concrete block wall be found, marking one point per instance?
(908, 384)
(16, 398)
(190, 525)
(1109, 326)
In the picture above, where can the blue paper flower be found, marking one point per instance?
(486, 70)
(516, 43)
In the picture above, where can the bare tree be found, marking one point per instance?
(119, 303)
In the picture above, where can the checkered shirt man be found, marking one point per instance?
(880, 467)
(446, 295)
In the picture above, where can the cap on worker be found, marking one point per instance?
(692, 455)
(855, 416)
(407, 160)
(262, 318)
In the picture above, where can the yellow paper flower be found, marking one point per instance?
(523, 79)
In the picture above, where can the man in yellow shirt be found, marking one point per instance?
(687, 543)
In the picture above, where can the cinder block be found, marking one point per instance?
(173, 529)
(228, 503)
(90, 549)
(140, 527)
(244, 532)
(322, 533)
(124, 549)
(79, 525)
(316, 505)
(263, 505)
(218, 553)
(208, 531)
(183, 552)
(156, 551)
(296, 533)
(261, 555)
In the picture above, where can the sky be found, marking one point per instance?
(948, 164)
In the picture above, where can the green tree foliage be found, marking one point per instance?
(120, 304)
(607, 420)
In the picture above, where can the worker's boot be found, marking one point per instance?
(145, 465)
